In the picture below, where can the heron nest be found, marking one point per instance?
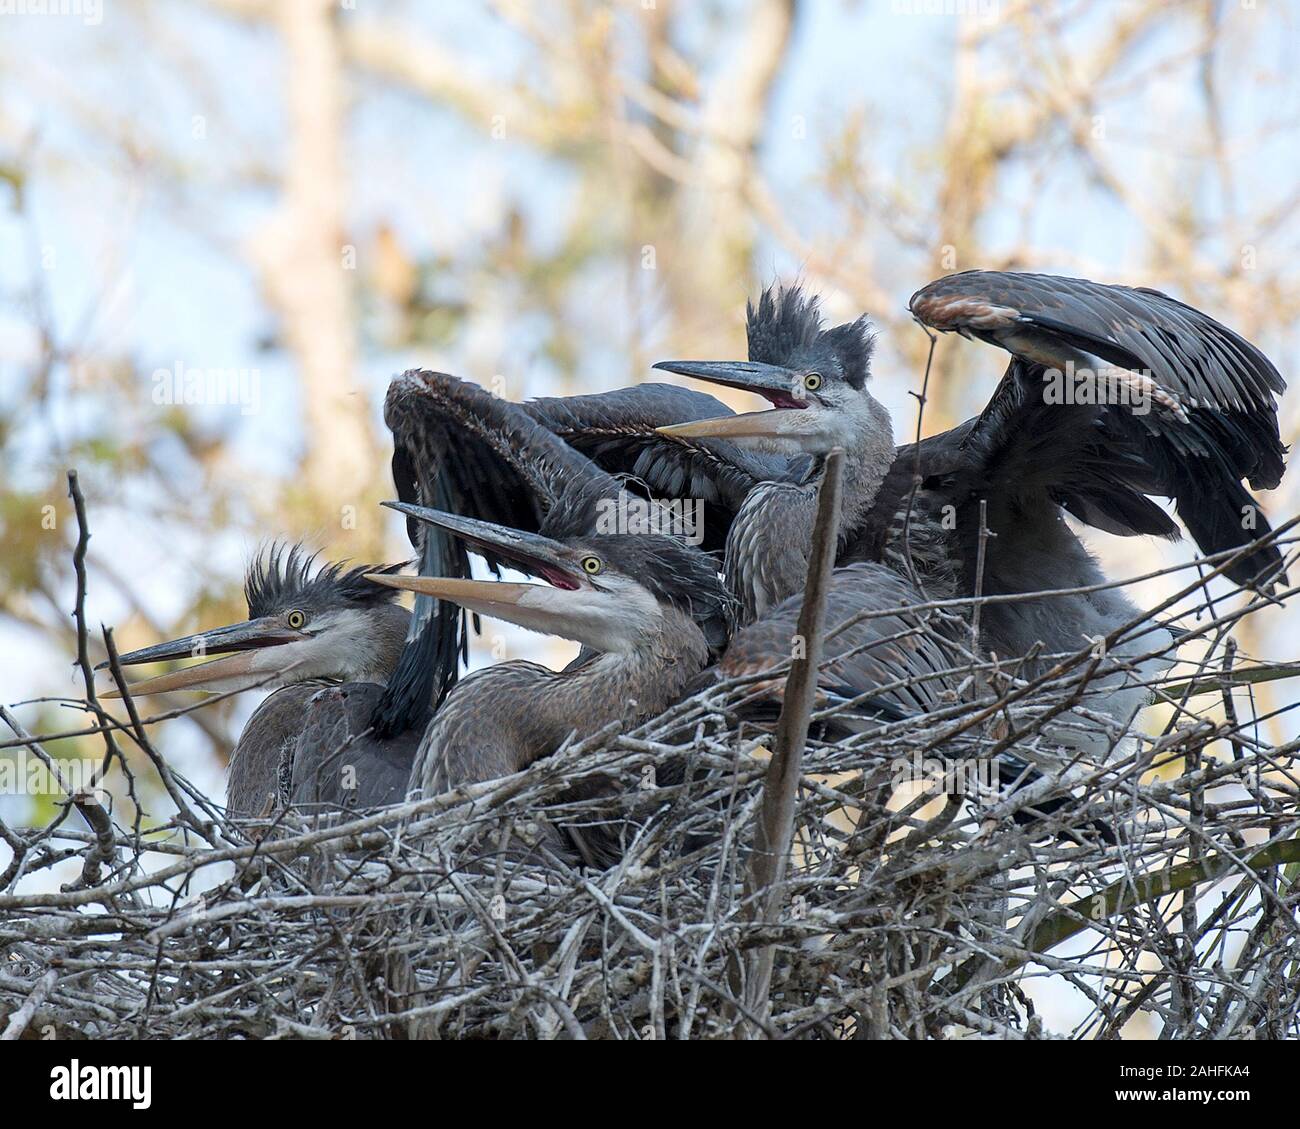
(1161, 894)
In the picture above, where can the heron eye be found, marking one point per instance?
(591, 565)
(812, 381)
(296, 620)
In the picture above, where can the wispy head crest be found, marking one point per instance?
(852, 343)
(787, 325)
(284, 576)
(687, 578)
(575, 511)
(785, 319)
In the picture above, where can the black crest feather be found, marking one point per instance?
(576, 511)
(786, 327)
(687, 578)
(785, 320)
(852, 343)
(284, 576)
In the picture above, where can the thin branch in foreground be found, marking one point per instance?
(774, 832)
(701, 920)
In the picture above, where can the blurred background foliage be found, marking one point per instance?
(546, 197)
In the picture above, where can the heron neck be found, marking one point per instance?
(868, 458)
(502, 718)
(638, 683)
(770, 541)
(375, 657)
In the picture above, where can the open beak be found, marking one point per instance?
(242, 643)
(550, 608)
(750, 425)
(534, 554)
(495, 598)
(782, 387)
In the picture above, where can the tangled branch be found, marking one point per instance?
(1160, 891)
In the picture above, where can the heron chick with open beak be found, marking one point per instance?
(304, 623)
(309, 628)
(651, 606)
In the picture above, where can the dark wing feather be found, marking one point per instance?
(457, 447)
(497, 462)
(1202, 361)
(617, 431)
(1213, 421)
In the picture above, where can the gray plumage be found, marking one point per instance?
(310, 626)
(499, 720)
(1211, 422)
(337, 762)
(459, 449)
(769, 545)
(303, 739)
(257, 775)
(899, 661)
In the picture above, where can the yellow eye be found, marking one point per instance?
(296, 620)
(812, 381)
(591, 565)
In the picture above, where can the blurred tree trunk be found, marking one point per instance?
(718, 227)
(303, 261)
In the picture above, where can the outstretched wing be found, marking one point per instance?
(617, 431)
(495, 461)
(1159, 399)
(458, 448)
(1049, 319)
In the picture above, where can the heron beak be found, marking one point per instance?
(568, 604)
(782, 387)
(788, 419)
(487, 597)
(534, 554)
(773, 424)
(241, 642)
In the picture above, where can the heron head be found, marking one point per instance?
(304, 621)
(814, 378)
(611, 592)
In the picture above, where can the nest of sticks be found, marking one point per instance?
(1162, 892)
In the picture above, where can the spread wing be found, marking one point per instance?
(1050, 319)
(1116, 393)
